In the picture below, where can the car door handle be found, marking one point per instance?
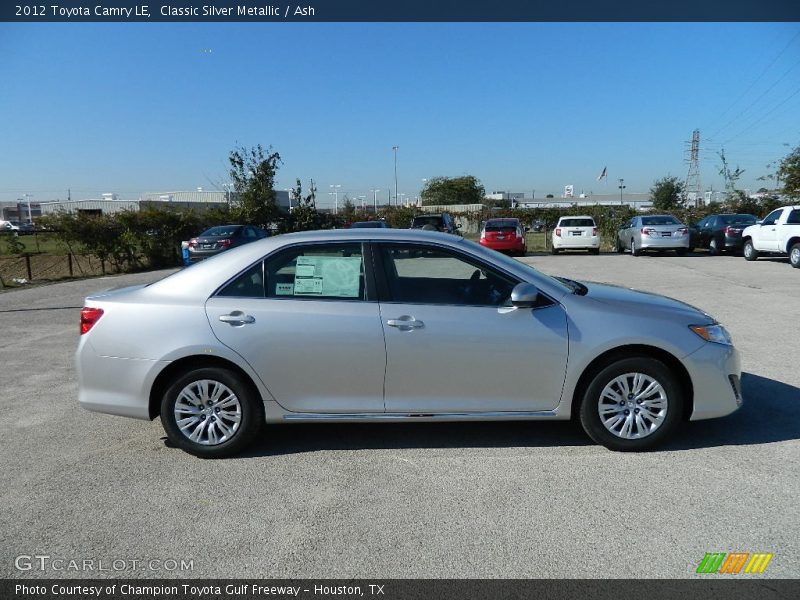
(237, 317)
(405, 323)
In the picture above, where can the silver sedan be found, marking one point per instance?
(396, 325)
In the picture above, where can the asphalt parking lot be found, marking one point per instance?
(511, 500)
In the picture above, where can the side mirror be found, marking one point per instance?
(524, 295)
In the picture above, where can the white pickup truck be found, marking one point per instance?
(778, 233)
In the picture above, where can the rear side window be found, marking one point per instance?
(433, 221)
(577, 222)
(794, 217)
(330, 271)
(738, 220)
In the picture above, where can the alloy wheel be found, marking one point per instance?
(633, 406)
(207, 412)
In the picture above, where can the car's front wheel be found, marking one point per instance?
(749, 251)
(211, 412)
(632, 404)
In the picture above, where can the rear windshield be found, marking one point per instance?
(501, 226)
(577, 222)
(738, 219)
(220, 230)
(368, 224)
(662, 220)
(422, 221)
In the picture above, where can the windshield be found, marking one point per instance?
(577, 222)
(507, 225)
(738, 219)
(660, 220)
(512, 264)
(220, 231)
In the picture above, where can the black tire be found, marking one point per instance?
(594, 251)
(619, 247)
(554, 250)
(713, 250)
(749, 252)
(634, 250)
(690, 249)
(250, 412)
(794, 255)
(681, 251)
(590, 405)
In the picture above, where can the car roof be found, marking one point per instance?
(202, 279)
(576, 217)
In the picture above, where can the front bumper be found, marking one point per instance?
(715, 371)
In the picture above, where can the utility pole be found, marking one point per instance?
(693, 188)
(395, 172)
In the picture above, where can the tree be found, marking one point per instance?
(789, 174)
(304, 215)
(667, 193)
(453, 190)
(253, 175)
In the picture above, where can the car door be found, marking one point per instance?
(307, 321)
(768, 233)
(453, 342)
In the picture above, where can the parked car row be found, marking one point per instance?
(16, 227)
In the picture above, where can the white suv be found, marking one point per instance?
(576, 233)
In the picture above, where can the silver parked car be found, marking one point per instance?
(396, 325)
(653, 232)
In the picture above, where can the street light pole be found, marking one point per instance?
(395, 173)
(621, 187)
(28, 198)
(375, 200)
(336, 197)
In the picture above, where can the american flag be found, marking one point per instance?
(603, 174)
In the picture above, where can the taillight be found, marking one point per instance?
(192, 243)
(89, 316)
(648, 231)
(594, 231)
(682, 231)
(558, 231)
(225, 243)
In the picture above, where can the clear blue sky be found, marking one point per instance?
(131, 108)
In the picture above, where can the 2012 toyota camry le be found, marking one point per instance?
(396, 325)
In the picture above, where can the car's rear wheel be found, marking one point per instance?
(554, 250)
(594, 251)
(713, 249)
(632, 404)
(211, 412)
(619, 248)
(749, 251)
(794, 256)
(634, 250)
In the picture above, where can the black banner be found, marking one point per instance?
(712, 588)
(145, 11)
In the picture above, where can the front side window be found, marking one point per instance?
(772, 217)
(418, 274)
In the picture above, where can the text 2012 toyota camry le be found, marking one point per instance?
(396, 325)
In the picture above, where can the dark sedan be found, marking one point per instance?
(222, 237)
(720, 233)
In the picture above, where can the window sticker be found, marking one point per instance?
(337, 276)
(284, 289)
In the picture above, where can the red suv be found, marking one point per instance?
(504, 235)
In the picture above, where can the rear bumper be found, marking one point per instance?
(115, 386)
(504, 245)
(576, 242)
(670, 243)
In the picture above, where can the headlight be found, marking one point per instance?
(713, 333)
